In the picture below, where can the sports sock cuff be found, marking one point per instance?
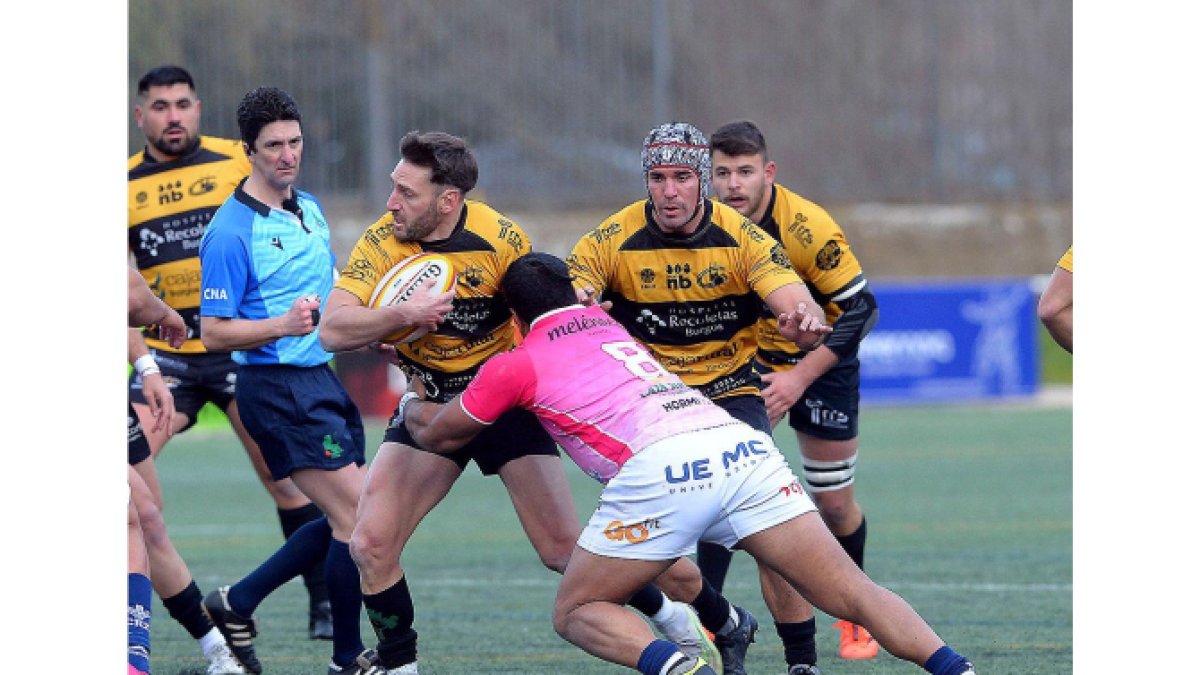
(946, 661)
(648, 600)
(655, 657)
(799, 641)
(391, 614)
(140, 594)
(184, 607)
(855, 543)
(712, 607)
(291, 520)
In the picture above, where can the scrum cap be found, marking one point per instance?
(679, 144)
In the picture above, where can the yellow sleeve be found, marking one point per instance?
(1067, 261)
(588, 263)
(368, 262)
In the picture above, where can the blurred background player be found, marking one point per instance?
(687, 276)
(267, 267)
(175, 185)
(818, 388)
(1056, 306)
(629, 423)
(153, 560)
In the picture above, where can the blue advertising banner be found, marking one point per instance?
(951, 341)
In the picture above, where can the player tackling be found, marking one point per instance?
(677, 469)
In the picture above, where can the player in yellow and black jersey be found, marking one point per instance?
(428, 211)
(820, 387)
(1056, 306)
(686, 276)
(481, 246)
(176, 183)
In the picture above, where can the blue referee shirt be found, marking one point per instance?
(256, 260)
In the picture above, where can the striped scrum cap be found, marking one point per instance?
(679, 144)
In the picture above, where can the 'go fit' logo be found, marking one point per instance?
(634, 534)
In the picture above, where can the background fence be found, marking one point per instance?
(904, 101)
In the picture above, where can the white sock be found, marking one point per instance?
(672, 621)
(210, 641)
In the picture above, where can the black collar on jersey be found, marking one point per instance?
(263, 210)
(768, 222)
(698, 233)
(441, 243)
(181, 157)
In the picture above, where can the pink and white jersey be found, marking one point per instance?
(593, 387)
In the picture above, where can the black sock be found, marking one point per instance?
(184, 607)
(711, 607)
(345, 601)
(855, 543)
(648, 600)
(391, 614)
(291, 520)
(713, 561)
(799, 641)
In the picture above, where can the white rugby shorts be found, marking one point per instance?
(717, 485)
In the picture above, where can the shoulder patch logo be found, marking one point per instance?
(830, 256)
(779, 256)
(332, 449)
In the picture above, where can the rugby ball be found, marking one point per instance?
(406, 278)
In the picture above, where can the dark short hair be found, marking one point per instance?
(165, 76)
(261, 106)
(739, 138)
(537, 283)
(446, 156)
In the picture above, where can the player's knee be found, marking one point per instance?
(370, 551)
(556, 560)
(837, 510)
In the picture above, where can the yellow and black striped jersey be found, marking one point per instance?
(819, 252)
(1067, 261)
(483, 245)
(692, 300)
(170, 204)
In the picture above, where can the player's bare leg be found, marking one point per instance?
(402, 487)
(588, 609)
(804, 552)
(542, 499)
(829, 468)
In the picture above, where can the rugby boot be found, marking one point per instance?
(692, 666)
(856, 642)
(733, 646)
(366, 663)
(239, 631)
(320, 620)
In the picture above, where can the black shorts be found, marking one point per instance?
(194, 379)
(828, 409)
(139, 447)
(749, 409)
(516, 434)
(301, 418)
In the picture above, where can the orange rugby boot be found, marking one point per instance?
(856, 642)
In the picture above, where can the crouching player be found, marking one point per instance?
(677, 469)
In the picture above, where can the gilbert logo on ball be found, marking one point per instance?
(407, 278)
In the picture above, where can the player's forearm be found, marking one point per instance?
(1060, 327)
(137, 345)
(223, 335)
(347, 328)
